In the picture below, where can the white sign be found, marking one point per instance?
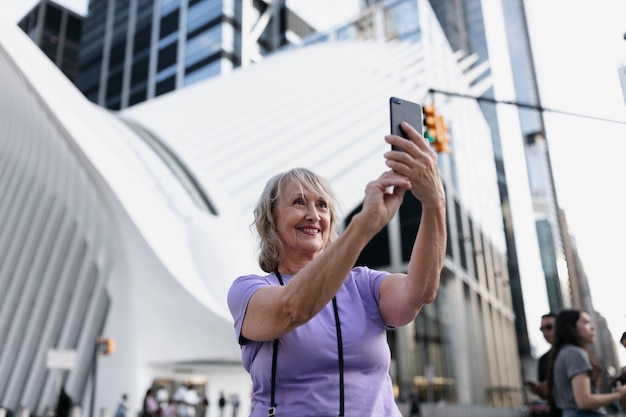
(61, 359)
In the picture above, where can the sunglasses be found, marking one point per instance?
(546, 327)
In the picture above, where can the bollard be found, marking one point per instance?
(3, 412)
(23, 412)
(75, 412)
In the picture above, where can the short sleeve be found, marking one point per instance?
(239, 295)
(578, 363)
(368, 282)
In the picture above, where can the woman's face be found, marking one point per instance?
(302, 221)
(586, 329)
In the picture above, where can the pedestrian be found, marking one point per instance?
(163, 398)
(325, 319)
(64, 404)
(187, 400)
(171, 409)
(221, 403)
(414, 402)
(234, 402)
(150, 405)
(122, 407)
(574, 372)
(540, 388)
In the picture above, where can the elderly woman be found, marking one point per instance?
(574, 371)
(313, 330)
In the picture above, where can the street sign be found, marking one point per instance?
(61, 359)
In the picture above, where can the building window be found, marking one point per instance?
(169, 24)
(166, 85)
(167, 56)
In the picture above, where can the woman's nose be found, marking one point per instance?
(311, 212)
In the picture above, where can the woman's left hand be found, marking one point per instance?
(418, 163)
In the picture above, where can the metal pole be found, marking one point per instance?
(93, 382)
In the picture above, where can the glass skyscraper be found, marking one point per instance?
(137, 50)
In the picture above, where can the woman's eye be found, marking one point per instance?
(298, 201)
(323, 204)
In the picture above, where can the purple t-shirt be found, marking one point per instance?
(307, 376)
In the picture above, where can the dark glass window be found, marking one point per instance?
(53, 19)
(73, 28)
(118, 52)
(167, 56)
(169, 24)
(166, 85)
(114, 85)
(142, 40)
(139, 71)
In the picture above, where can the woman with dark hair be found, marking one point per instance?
(574, 371)
(313, 329)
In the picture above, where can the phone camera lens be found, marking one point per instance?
(397, 101)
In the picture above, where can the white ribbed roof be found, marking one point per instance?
(324, 107)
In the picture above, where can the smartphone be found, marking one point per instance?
(401, 110)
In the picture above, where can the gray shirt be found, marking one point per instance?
(570, 361)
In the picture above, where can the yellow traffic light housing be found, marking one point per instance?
(442, 138)
(430, 122)
(436, 129)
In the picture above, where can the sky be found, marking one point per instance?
(577, 61)
(578, 46)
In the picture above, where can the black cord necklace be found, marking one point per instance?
(272, 410)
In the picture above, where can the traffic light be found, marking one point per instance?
(105, 346)
(436, 129)
(430, 122)
(441, 138)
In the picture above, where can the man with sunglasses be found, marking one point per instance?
(540, 388)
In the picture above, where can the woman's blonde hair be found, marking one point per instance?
(270, 245)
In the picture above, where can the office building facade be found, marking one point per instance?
(135, 50)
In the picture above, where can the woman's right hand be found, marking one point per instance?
(380, 204)
(621, 389)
